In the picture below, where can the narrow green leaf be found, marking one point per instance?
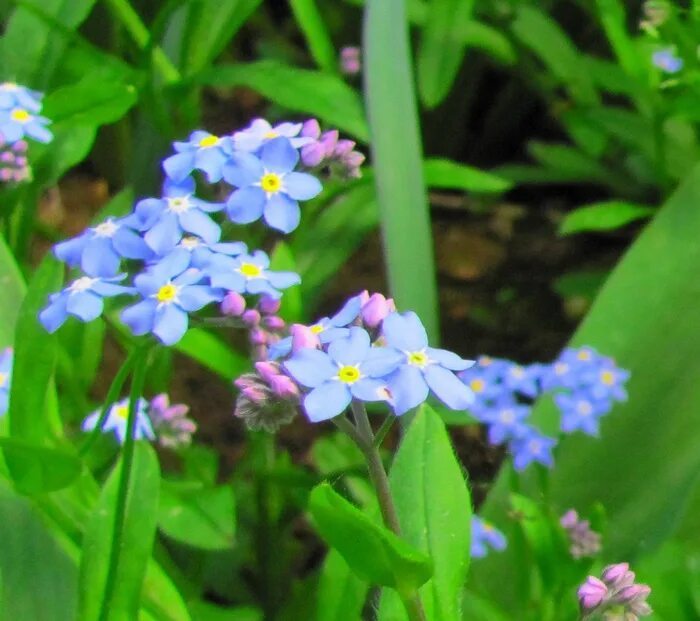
(489, 40)
(373, 552)
(397, 158)
(333, 100)
(138, 532)
(13, 286)
(316, 34)
(35, 469)
(204, 611)
(35, 353)
(441, 173)
(283, 260)
(341, 593)
(603, 216)
(441, 48)
(434, 507)
(614, 19)
(212, 353)
(202, 518)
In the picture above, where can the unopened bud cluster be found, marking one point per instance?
(614, 595)
(327, 149)
(583, 541)
(13, 162)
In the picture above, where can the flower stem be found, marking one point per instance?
(377, 474)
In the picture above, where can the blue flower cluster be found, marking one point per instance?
(5, 379)
(183, 265)
(585, 386)
(369, 352)
(485, 536)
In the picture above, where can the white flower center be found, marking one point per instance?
(106, 229)
(584, 408)
(82, 284)
(190, 242)
(179, 204)
(507, 417)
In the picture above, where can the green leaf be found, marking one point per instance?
(202, 517)
(441, 173)
(441, 48)
(434, 507)
(373, 552)
(398, 161)
(613, 16)
(539, 32)
(490, 40)
(603, 216)
(316, 34)
(341, 593)
(203, 611)
(13, 286)
(643, 319)
(35, 469)
(35, 353)
(333, 100)
(139, 527)
(283, 260)
(211, 352)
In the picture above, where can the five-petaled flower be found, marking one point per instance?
(484, 536)
(117, 419)
(18, 123)
(203, 151)
(260, 132)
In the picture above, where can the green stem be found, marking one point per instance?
(139, 32)
(137, 381)
(377, 474)
(384, 429)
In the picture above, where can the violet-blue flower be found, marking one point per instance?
(170, 291)
(83, 299)
(14, 95)
(351, 368)
(200, 253)
(259, 132)
(268, 187)
(531, 447)
(203, 151)
(117, 419)
(424, 368)
(6, 360)
(249, 273)
(484, 536)
(167, 219)
(580, 412)
(667, 61)
(522, 379)
(19, 123)
(506, 420)
(100, 249)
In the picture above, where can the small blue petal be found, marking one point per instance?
(301, 186)
(447, 387)
(282, 213)
(279, 156)
(200, 224)
(54, 315)
(405, 331)
(326, 401)
(84, 305)
(139, 317)
(246, 205)
(408, 388)
(310, 367)
(352, 349)
(170, 324)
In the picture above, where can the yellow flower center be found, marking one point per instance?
(477, 385)
(270, 135)
(485, 361)
(607, 378)
(348, 374)
(166, 293)
(250, 270)
(487, 527)
(121, 411)
(317, 328)
(584, 355)
(271, 183)
(189, 242)
(3, 379)
(518, 372)
(417, 358)
(20, 115)
(209, 141)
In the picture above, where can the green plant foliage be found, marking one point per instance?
(341, 593)
(137, 533)
(13, 285)
(603, 216)
(434, 507)
(441, 173)
(211, 352)
(372, 551)
(317, 36)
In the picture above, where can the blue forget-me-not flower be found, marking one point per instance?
(117, 419)
(6, 360)
(18, 123)
(667, 61)
(203, 151)
(259, 132)
(484, 536)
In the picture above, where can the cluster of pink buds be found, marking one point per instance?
(13, 162)
(170, 422)
(614, 595)
(327, 149)
(583, 541)
(350, 61)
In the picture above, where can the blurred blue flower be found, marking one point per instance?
(100, 249)
(580, 412)
(607, 381)
(667, 61)
(170, 291)
(522, 379)
(506, 420)
(199, 253)
(203, 151)
(350, 368)
(268, 187)
(18, 123)
(117, 419)
(424, 368)
(531, 447)
(13, 95)
(166, 219)
(83, 299)
(6, 360)
(259, 132)
(249, 273)
(484, 536)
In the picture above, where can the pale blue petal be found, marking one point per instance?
(448, 359)
(310, 367)
(326, 401)
(349, 312)
(199, 223)
(279, 156)
(282, 280)
(448, 388)
(351, 349)
(169, 266)
(243, 169)
(85, 305)
(246, 205)
(301, 186)
(404, 331)
(194, 297)
(99, 258)
(164, 234)
(189, 277)
(368, 389)
(408, 388)
(261, 286)
(38, 132)
(71, 250)
(282, 213)
(54, 315)
(211, 161)
(130, 245)
(380, 361)
(139, 317)
(178, 166)
(258, 257)
(170, 324)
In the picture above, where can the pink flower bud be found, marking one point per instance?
(631, 594)
(343, 147)
(569, 519)
(284, 387)
(268, 305)
(20, 146)
(251, 317)
(267, 370)
(273, 322)
(313, 154)
(354, 159)
(618, 576)
(311, 129)
(591, 594)
(375, 310)
(233, 304)
(303, 337)
(350, 62)
(258, 336)
(328, 141)
(254, 394)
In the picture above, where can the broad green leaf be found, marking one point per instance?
(341, 593)
(161, 597)
(35, 353)
(13, 286)
(32, 562)
(333, 100)
(441, 48)
(373, 552)
(603, 216)
(490, 40)
(316, 34)
(202, 518)
(138, 532)
(203, 611)
(283, 260)
(398, 161)
(441, 173)
(643, 317)
(211, 352)
(434, 507)
(539, 32)
(35, 469)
